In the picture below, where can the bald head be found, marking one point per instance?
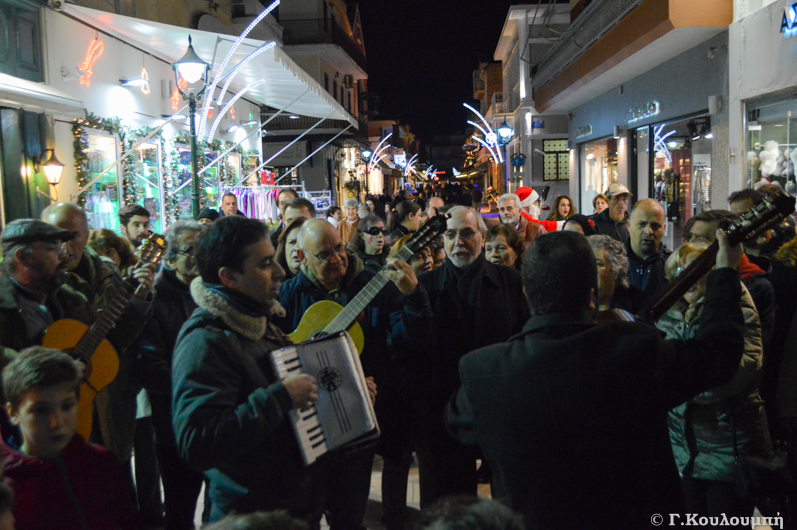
(322, 253)
(70, 217)
(646, 227)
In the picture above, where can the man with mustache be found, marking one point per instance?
(646, 256)
(399, 313)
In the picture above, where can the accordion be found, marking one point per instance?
(343, 416)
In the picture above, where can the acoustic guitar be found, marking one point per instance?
(326, 318)
(88, 344)
(752, 224)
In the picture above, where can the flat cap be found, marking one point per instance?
(617, 189)
(30, 230)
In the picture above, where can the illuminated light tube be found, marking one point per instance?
(488, 146)
(479, 114)
(377, 151)
(230, 103)
(238, 68)
(223, 65)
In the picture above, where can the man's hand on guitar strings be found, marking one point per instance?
(371, 384)
(400, 273)
(302, 389)
(146, 279)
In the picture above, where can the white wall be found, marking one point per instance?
(745, 8)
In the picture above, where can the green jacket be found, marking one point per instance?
(709, 414)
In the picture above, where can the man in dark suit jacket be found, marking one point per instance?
(474, 303)
(572, 416)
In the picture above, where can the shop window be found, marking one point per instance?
(598, 169)
(146, 165)
(772, 141)
(557, 160)
(102, 199)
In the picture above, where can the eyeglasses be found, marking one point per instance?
(466, 235)
(187, 251)
(375, 231)
(326, 255)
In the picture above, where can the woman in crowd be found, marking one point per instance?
(706, 431)
(503, 246)
(600, 203)
(369, 243)
(334, 215)
(563, 209)
(110, 245)
(286, 254)
(389, 215)
(614, 291)
(348, 225)
(408, 219)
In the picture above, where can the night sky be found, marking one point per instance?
(421, 56)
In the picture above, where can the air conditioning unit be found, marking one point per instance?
(348, 81)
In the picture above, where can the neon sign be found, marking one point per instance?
(788, 25)
(96, 48)
(183, 84)
(144, 75)
(643, 111)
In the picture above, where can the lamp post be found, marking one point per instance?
(366, 155)
(505, 134)
(191, 68)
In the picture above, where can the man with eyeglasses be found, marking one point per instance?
(474, 303)
(171, 307)
(397, 315)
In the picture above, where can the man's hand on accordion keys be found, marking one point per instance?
(302, 389)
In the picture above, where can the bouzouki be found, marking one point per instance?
(88, 344)
(326, 318)
(761, 218)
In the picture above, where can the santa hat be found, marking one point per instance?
(527, 196)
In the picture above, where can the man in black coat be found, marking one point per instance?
(572, 416)
(474, 303)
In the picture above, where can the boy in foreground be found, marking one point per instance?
(59, 481)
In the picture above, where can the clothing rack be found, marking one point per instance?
(260, 201)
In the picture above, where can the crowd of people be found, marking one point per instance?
(483, 345)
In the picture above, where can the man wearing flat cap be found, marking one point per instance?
(612, 221)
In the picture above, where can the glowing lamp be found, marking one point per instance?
(190, 66)
(53, 168)
(366, 155)
(505, 133)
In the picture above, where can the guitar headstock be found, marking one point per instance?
(152, 250)
(428, 231)
(771, 211)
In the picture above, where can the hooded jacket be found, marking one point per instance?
(607, 226)
(85, 490)
(230, 411)
(647, 274)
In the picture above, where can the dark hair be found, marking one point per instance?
(103, 240)
(287, 190)
(469, 513)
(555, 209)
(753, 195)
(404, 209)
(558, 272)
(229, 194)
(357, 242)
(223, 244)
(280, 255)
(278, 520)
(723, 218)
(511, 236)
(332, 209)
(131, 210)
(300, 203)
(37, 368)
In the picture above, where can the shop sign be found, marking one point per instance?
(788, 25)
(581, 132)
(643, 111)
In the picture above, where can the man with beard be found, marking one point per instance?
(134, 220)
(509, 210)
(646, 256)
(474, 303)
(397, 314)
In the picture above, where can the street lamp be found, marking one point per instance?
(366, 155)
(505, 134)
(191, 68)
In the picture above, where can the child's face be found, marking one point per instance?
(48, 419)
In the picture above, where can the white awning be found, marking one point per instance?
(37, 97)
(284, 79)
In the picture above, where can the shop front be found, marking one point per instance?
(763, 96)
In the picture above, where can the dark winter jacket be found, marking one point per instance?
(85, 490)
(571, 416)
(153, 351)
(609, 227)
(647, 274)
(230, 412)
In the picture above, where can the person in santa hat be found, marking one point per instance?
(531, 210)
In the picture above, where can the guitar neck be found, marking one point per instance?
(89, 343)
(346, 318)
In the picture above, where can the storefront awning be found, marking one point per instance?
(284, 79)
(37, 97)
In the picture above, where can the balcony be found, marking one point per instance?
(321, 31)
(497, 105)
